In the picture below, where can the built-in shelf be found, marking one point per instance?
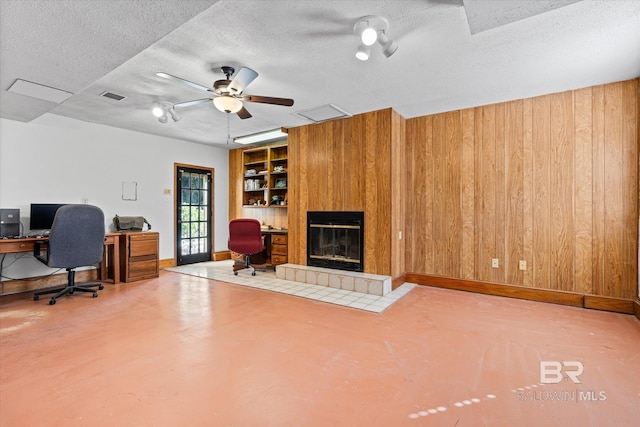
(265, 177)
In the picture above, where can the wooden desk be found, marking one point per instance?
(109, 267)
(275, 249)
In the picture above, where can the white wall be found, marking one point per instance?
(55, 159)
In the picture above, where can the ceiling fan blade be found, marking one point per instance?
(190, 103)
(183, 81)
(242, 80)
(243, 113)
(268, 100)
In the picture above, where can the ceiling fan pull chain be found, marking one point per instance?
(228, 128)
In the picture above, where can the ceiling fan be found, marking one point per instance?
(227, 94)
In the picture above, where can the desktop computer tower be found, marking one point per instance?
(9, 222)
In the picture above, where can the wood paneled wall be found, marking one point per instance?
(352, 164)
(551, 180)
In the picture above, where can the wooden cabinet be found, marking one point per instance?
(278, 249)
(139, 256)
(265, 177)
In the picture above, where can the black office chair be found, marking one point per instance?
(76, 240)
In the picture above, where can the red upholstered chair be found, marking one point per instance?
(245, 237)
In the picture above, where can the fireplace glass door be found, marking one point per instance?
(335, 240)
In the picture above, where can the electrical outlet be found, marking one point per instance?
(522, 265)
(495, 263)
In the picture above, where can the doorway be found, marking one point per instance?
(194, 199)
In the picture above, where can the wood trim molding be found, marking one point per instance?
(42, 282)
(574, 299)
(512, 291)
(221, 255)
(619, 305)
(396, 282)
(167, 263)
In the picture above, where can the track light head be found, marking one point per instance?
(363, 52)
(389, 47)
(174, 115)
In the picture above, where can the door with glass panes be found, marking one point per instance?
(193, 198)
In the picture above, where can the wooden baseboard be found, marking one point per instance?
(8, 287)
(619, 305)
(216, 256)
(636, 308)
(222, 255)
(166, 263)
(398, 281)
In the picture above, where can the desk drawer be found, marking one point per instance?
(143, 245)
(279, 249)
(9, 247)
(140, 269)
(279, 239)
(278, 259)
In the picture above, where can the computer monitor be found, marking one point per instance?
(42, 215)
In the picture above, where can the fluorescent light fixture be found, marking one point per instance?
(35, 90)
(227, 104)
(266, 136)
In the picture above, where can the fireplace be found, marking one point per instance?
(335, 239)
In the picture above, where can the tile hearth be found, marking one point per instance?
(222, 270)
(373, 284)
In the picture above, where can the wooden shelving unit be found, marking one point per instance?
(265, 177)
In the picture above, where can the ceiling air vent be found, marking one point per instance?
(323, 113)
(112, 95)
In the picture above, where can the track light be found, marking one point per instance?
(363, 52)
(174, 115)
(162, 110)
(369, 36)
(389, 47)
(371, 29)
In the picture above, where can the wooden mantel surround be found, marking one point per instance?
(552, 181)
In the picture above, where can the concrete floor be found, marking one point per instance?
(182, 350)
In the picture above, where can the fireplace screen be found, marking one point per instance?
(335, 240)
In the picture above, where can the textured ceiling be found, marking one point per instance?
(452, 54)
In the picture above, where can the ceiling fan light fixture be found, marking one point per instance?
(227, 104)
(363, 52)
